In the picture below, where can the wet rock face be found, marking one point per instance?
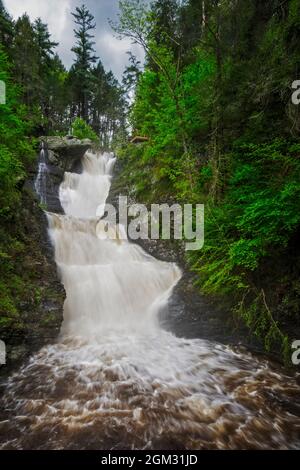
(66, 152)
(52, 181)
(40, 304)
(61, 154)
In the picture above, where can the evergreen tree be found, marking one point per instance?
(26, 61)
(84, 51)
(107, 105)
(192, 19)
(43, 41)
(45, 51)
(99, 103)
(6, 28)
(57, 95)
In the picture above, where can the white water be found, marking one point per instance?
(110, 284)
(116, 379)
(41, 179)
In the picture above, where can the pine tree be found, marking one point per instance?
(43, 41)
(99, 100)
(26, 61)
(57, 96)
(6, 29)
(44, 47)
(84, 51)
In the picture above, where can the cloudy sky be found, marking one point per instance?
(57, 14)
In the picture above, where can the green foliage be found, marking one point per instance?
(15, 149)
(258, 317)
(214, 102)
(265, 188)
(53, 96)
(257, 218)
(41, 100)
(84, 52)
(172, 110)
(82, 130)
(6, 28)
(259, 212)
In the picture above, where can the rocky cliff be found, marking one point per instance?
(60, 154)
(34, 282)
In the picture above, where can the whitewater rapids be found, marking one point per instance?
(115, 379)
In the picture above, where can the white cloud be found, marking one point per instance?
(54, 13)
(57, 14)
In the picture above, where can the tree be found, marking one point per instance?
(138, 23)
(131, 75)
(84, 51)
(192, 18)
(165, 24)
(46, 65)
(6, 28)
(14, 149)
(26, 61)
(57, 96)
(43, 41)
(40, 73)
(107, 105)
(99, 102)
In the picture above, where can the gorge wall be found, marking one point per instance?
(37, 313)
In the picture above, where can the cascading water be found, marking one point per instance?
(92, 266)
(41, 179)
(115, 379)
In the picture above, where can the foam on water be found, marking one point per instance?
(116, 379)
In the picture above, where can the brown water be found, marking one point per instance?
(116, 379)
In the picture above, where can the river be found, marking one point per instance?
(115, 379)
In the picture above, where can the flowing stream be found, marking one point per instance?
(115, 379)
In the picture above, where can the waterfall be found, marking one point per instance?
(42, 176)
(109, 285)
(115, 379)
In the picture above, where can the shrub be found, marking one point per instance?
(82, 130)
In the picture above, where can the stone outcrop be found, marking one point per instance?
(65, 152)
(61, 154)
(40, 303)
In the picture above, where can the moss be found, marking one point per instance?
(28, 274)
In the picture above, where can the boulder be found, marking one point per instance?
(58, 155)
(65, 152)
